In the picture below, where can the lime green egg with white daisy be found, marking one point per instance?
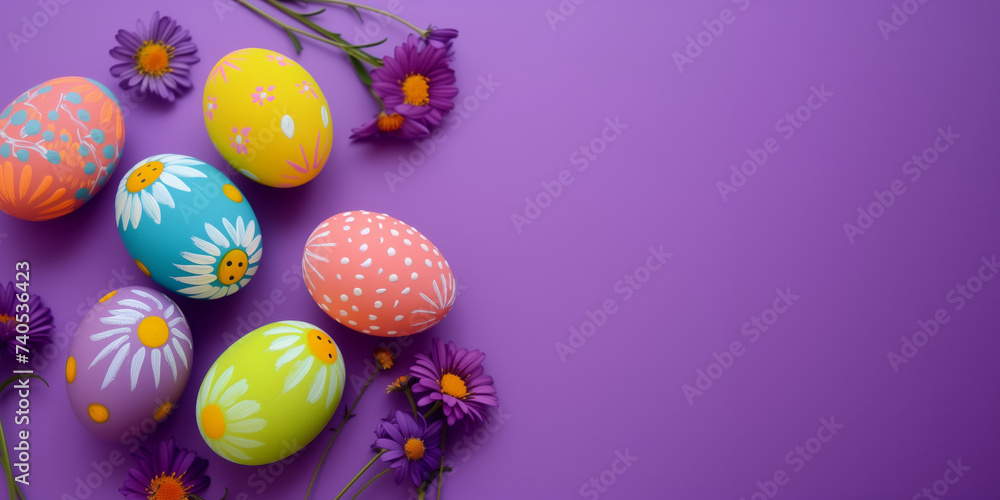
(188, 227)
(270, 393)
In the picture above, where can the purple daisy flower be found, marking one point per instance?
(412, 447)
(39, 319)
(158, 61)
(394, 125)
(441, 38)
(455, 377)
(172, 473)
(417, 83)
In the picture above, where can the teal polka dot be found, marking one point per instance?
(83, 150)
(89, 168)
(5, 150)
(22, 154)
(64, 137)
(53, 115)
(21, 98)
(83, 115)
(19, 117)
(48, 135)
(32, 127)
(53, 157)
(111, 168)
(44, 90)
(109, 151)
(73, 97)
(6, 112)
(80, 193)
(101, 181)
(97, 135)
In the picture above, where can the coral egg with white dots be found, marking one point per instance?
(377, 275)
(129, 362)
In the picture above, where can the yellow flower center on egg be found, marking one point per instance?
(322, 346)
(415, 90)
(163, 411)
(232, 193)
(153, 58)
(232, 266)
(98, 413)
(390, 123)
(142, 267)
(414, 449)
(70, 369)
(164, 487)
(213, 424)
(144, 176)
(153, 332)
(453, 386)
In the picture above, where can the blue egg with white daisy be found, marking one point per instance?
(188, 227)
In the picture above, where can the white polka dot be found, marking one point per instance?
(324, 307)
(428, 262)
(365, 331)
(373, 327)
(357, 292)
(391, 332)
(359, 276)
(353, 323)
(380, 290)
(347, 228)
(408, 242)
(440, 265)
(406, 290)
(391, 252)
(343, 297)
(354, 308)
(365, 231)
(414, 276)
(344, 260)
(436, 252)
(396, 303)
(343, 312)
(338, 276)
(408, 261)
(372, 317)
(409, 231)
(380, 217)
(378, 304)
(394, 232)
(380, 271)
(349, 219)
(393, 278)
(424, 246)
(327, 298)
(364, 247)
(400, 317)
(348, 240)
(368, 263)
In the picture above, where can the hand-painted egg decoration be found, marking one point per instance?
(377, 275)
(270, 393)
(59, 143)
(268, 118)
(129, 362)
(187, 226)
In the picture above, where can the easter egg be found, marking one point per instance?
(267, 117)
(129, 362)
(59, 143)
(377, 275)
(187, 226)
(270, 393)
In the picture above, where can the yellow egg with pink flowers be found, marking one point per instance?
(268, 118)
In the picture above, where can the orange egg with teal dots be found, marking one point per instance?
(188, 227)
(129, 362)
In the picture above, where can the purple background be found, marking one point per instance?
(654, 185)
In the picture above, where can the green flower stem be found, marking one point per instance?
(358, 475)
(422, 33)
(274, 20)
(13, 491)
(413, 404)
(436, 407)
(441, 470)
(347, 416)
(370, 481)
(359, 54)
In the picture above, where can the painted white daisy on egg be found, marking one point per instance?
(314, 252)
(156, 333)
(147, 186)
(224, 419)
(227, 264)
(444, 298)
(311, 357)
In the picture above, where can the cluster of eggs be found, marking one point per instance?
(192, 231)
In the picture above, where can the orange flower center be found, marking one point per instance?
(414, 449)
(153, 58)
(453, 386)
(4, 318)
(415, 89)
(390, 123)
(164, 487)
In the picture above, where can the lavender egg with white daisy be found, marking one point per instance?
(128, 363)
(188, 227)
